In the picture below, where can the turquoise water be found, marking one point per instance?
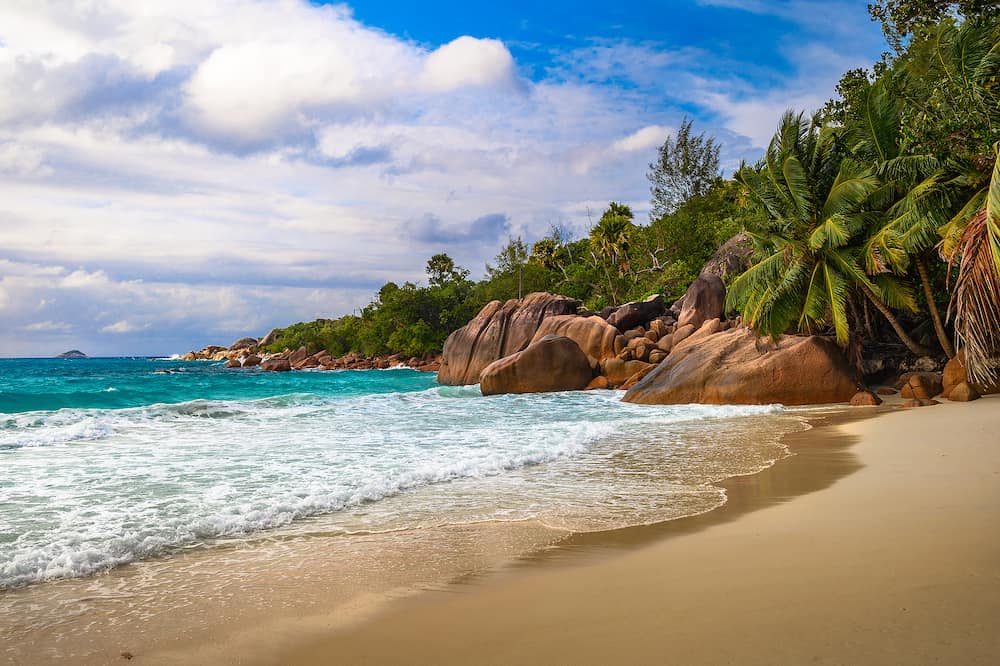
(107, 461)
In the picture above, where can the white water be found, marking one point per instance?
(84, 490)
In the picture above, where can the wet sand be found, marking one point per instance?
(888, 553)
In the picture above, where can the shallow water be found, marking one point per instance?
(199, 457)
(236, 495)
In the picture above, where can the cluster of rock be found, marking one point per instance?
(301, 359)
(920, 388)
(246, 353)
(686, 353)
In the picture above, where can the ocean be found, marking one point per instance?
(111, 464)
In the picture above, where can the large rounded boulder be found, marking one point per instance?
(594, 336)
(955, 373)
(553, 363)
(499, 330)
(738, 367)
(637, 313)
(705, 299)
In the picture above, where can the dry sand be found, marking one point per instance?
(884, 552)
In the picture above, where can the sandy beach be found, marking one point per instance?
(891, 555)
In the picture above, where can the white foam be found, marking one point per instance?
(142, 481)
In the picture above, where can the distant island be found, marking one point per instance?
(72, 353)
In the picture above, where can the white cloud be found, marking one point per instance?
(48, 327)
(467, 61)
(123, 326)
(20, 160)
(648, 137)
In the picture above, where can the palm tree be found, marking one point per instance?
(610, 240)
(806, 261)
(953, 109)
(974, 241)
(911, 194)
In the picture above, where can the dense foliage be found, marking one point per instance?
(913, 145)
(870, 221)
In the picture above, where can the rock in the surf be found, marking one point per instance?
(499, 330)
(594, 336)
(553, 363)
(276, 365)
(865, 399)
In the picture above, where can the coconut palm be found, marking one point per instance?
(912, 194)
(952, 108)
(974, 242)
(610, 240)
(806, 262)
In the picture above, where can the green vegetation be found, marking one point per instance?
(882, 209)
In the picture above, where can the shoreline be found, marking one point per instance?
(892, 559)
(239, 599)
(814, 464)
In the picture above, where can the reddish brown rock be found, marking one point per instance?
(233, 363)
(298, 356)
(885, 390)
(737, 367)
(618, 371)
(657, 355)
(620, 343)
(593, 335)
(865, 399)
(705, 299)
(681, 333)
(731, 258)
(955, 373)
(554, 363)
(307, 362)
(914, 402)
(251, 361)
(920, 385)
(599, 382)
(637, 313)
(709, 327)
(637, 377)
(499, 330)
(244, 343)
(276, 365)
(964, 392)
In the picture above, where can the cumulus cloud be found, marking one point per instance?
(643, 139)
(123, 326)
(467, 61)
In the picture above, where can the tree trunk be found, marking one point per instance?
(935, 316)
(915, 348)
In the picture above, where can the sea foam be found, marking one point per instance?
(93, 488)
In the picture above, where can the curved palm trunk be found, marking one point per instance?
(915, 347)
(935, 316)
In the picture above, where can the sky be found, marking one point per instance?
(181, 173)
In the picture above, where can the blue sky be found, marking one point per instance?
(175, 174)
